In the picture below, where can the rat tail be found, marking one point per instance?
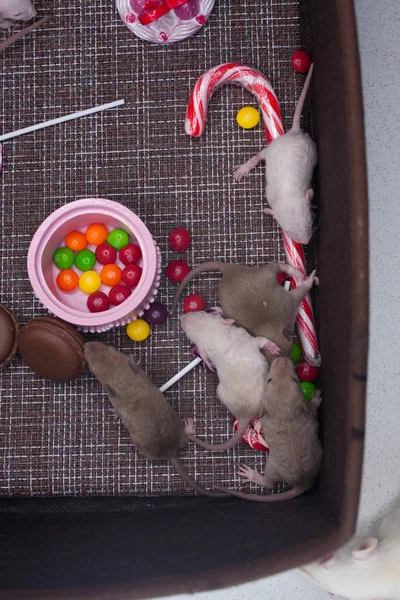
(22, 33)
(200, 490)
(300, 104)
(293, 493)
(231, 443)
(208, 266)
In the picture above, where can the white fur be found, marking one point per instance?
(366, 569)
(15, 10)
(289, 162)
(236, 354)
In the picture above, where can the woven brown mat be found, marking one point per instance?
(62, 439)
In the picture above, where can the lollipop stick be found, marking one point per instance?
(20, 34)
(181, 373)
(81, 113)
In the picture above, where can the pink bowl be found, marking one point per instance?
(71, 306)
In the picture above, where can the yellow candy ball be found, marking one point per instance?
(89, 282)
(248, 117)
(138, 330)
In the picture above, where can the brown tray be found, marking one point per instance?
(84, 537)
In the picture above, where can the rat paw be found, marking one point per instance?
(189, 426)
(250, 474)
(316, 279)
(316, 399)
(273, 348)
(268, 211)
(240, 172)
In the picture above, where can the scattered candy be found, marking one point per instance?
(76, 241)
(96, 234)
(118, 239)
(157, 314)
(301, 61)
(131, 275)
(67, 280)
(89, 282)
(106, 254)
(296, 353)
(98, 302)
(177, 270)
(63, 258)
(119, 294)
(138, 330)
(85, 260)
(281, 278)
(306, 372)
(193, 303)
(248, 117)
(130, 254)
(309, 390)
(179, 239)
(111, 275)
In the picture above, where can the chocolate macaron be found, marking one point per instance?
(52, 348)
(8, 335)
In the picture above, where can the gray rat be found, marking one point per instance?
(252, 297)
(15, 10)
(365, 568)
(290, 428)
(290, 160)
(153, 425)
(240, 366)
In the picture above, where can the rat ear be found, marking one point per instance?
(365, 549)
(309, 195)
(225, 321)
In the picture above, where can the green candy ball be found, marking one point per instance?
(118, 239)
(85, 260)
(63, 258)
(296, 353)
(309, 390)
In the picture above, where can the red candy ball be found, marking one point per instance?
(130, 254)
(301, 61)
(131, 275)
(119, 294)
(281, 278)
(193, 303)
(179, 239)
(98, 302)
(306, 372)
(177, 270)
(106, 254)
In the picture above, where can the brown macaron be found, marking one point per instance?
(52, 348)
(8, 335)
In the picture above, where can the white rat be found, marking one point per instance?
(290, 160)
(15, 10)
(364, 569)
(241, 367)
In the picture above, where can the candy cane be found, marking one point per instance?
(256, 83)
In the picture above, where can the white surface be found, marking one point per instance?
(378, 32)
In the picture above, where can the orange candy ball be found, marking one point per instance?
(67, 280)
(111, 275)
(76, 241)
(96, 234)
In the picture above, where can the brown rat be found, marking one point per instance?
(252, 297)
(153, 425)
(290, 427)
(240, 366)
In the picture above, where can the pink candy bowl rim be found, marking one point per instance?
(128, 221)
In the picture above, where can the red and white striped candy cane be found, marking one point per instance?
(256, 83)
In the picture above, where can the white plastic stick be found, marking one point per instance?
(181, 373)
(77, 115)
